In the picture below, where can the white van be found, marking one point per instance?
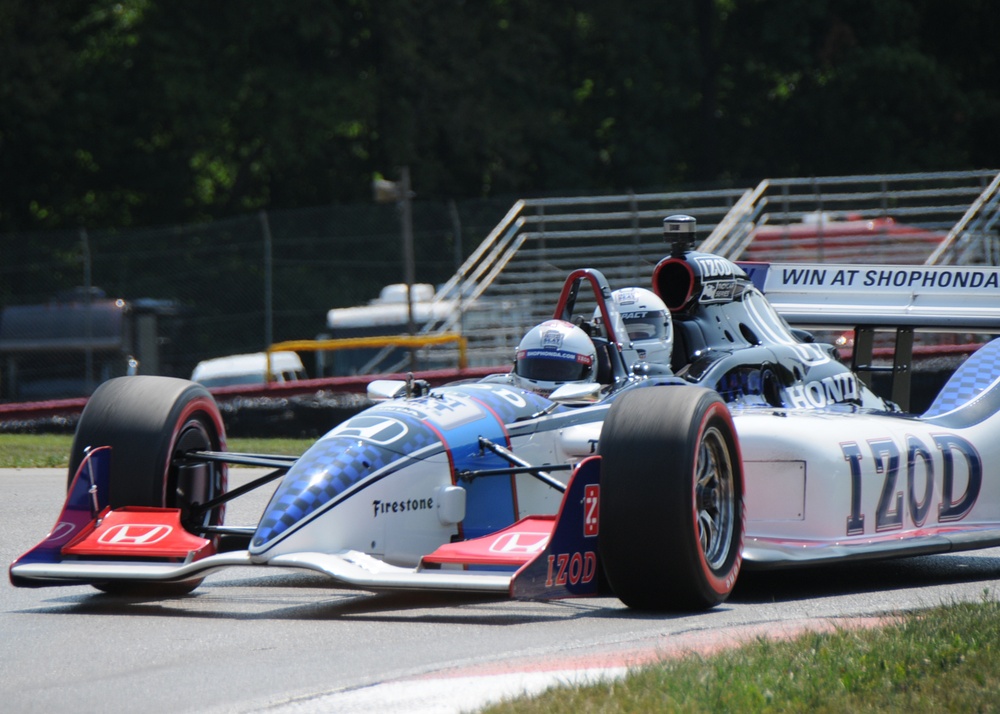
(248, 369)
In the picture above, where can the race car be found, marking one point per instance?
(653, 483)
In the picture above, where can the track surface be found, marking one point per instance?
(250, 640)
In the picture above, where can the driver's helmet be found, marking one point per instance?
(552, 354)
(647, 320)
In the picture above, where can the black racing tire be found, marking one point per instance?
(671, 508)
(149, 422)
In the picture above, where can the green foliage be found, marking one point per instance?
(147, 112)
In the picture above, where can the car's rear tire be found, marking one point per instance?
(671, 513)
(149, 422)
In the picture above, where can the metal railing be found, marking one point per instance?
(458, 357)
(899, 218)
(511, 280)
(973, 239)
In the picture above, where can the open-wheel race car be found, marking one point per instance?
(653, 482)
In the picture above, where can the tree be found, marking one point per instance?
(145, 112)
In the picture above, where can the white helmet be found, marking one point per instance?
(647, 320)
(552, 354)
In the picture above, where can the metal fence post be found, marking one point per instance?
(88, 318)
(265, 227)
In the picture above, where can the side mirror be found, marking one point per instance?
(577, 393)
(382, 389)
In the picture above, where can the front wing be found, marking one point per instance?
(518, 561)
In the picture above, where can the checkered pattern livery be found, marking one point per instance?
(506, 410)
(337, 463)
(970, 380)
(329, 468)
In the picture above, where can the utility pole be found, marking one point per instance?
(409, 268)
(265, 229)
(88, 315)
(399, 192)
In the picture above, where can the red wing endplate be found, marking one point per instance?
(88, 529)
(556, 555)
(568, 566)
(87, 497)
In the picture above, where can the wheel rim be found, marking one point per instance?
(714, 498)
(189, 485)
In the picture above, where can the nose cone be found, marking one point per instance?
(325, 471)
(354, 451)
(384, 440)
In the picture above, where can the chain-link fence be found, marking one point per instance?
(80, 307)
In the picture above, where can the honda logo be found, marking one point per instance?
(137, 534)
(376, 429)
(61, 532)
(519, 542)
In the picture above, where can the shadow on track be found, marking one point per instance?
(311, 597)
(771, 586)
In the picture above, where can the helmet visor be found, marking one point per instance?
(648, 326)
(553, 366)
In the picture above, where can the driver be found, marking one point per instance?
(552, 354)
(648, 322)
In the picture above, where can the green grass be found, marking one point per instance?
(945, 660)
(27, 451)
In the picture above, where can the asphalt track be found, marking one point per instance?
(252, 640)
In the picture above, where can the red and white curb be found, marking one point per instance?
(470, 688)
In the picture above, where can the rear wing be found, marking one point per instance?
(900, 298)
(931, 298)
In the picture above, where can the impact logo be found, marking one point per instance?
(830, 390)
(721, 291)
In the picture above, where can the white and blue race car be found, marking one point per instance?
(759, 448)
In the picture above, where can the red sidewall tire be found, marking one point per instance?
(722, 580)
(149, 422)
(146, 421)
(660, 447)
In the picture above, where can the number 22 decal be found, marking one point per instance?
(919, 458)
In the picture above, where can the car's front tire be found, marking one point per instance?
(149, 422)
(671, 499)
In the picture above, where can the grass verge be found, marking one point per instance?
(944, 659)
(32, 451)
